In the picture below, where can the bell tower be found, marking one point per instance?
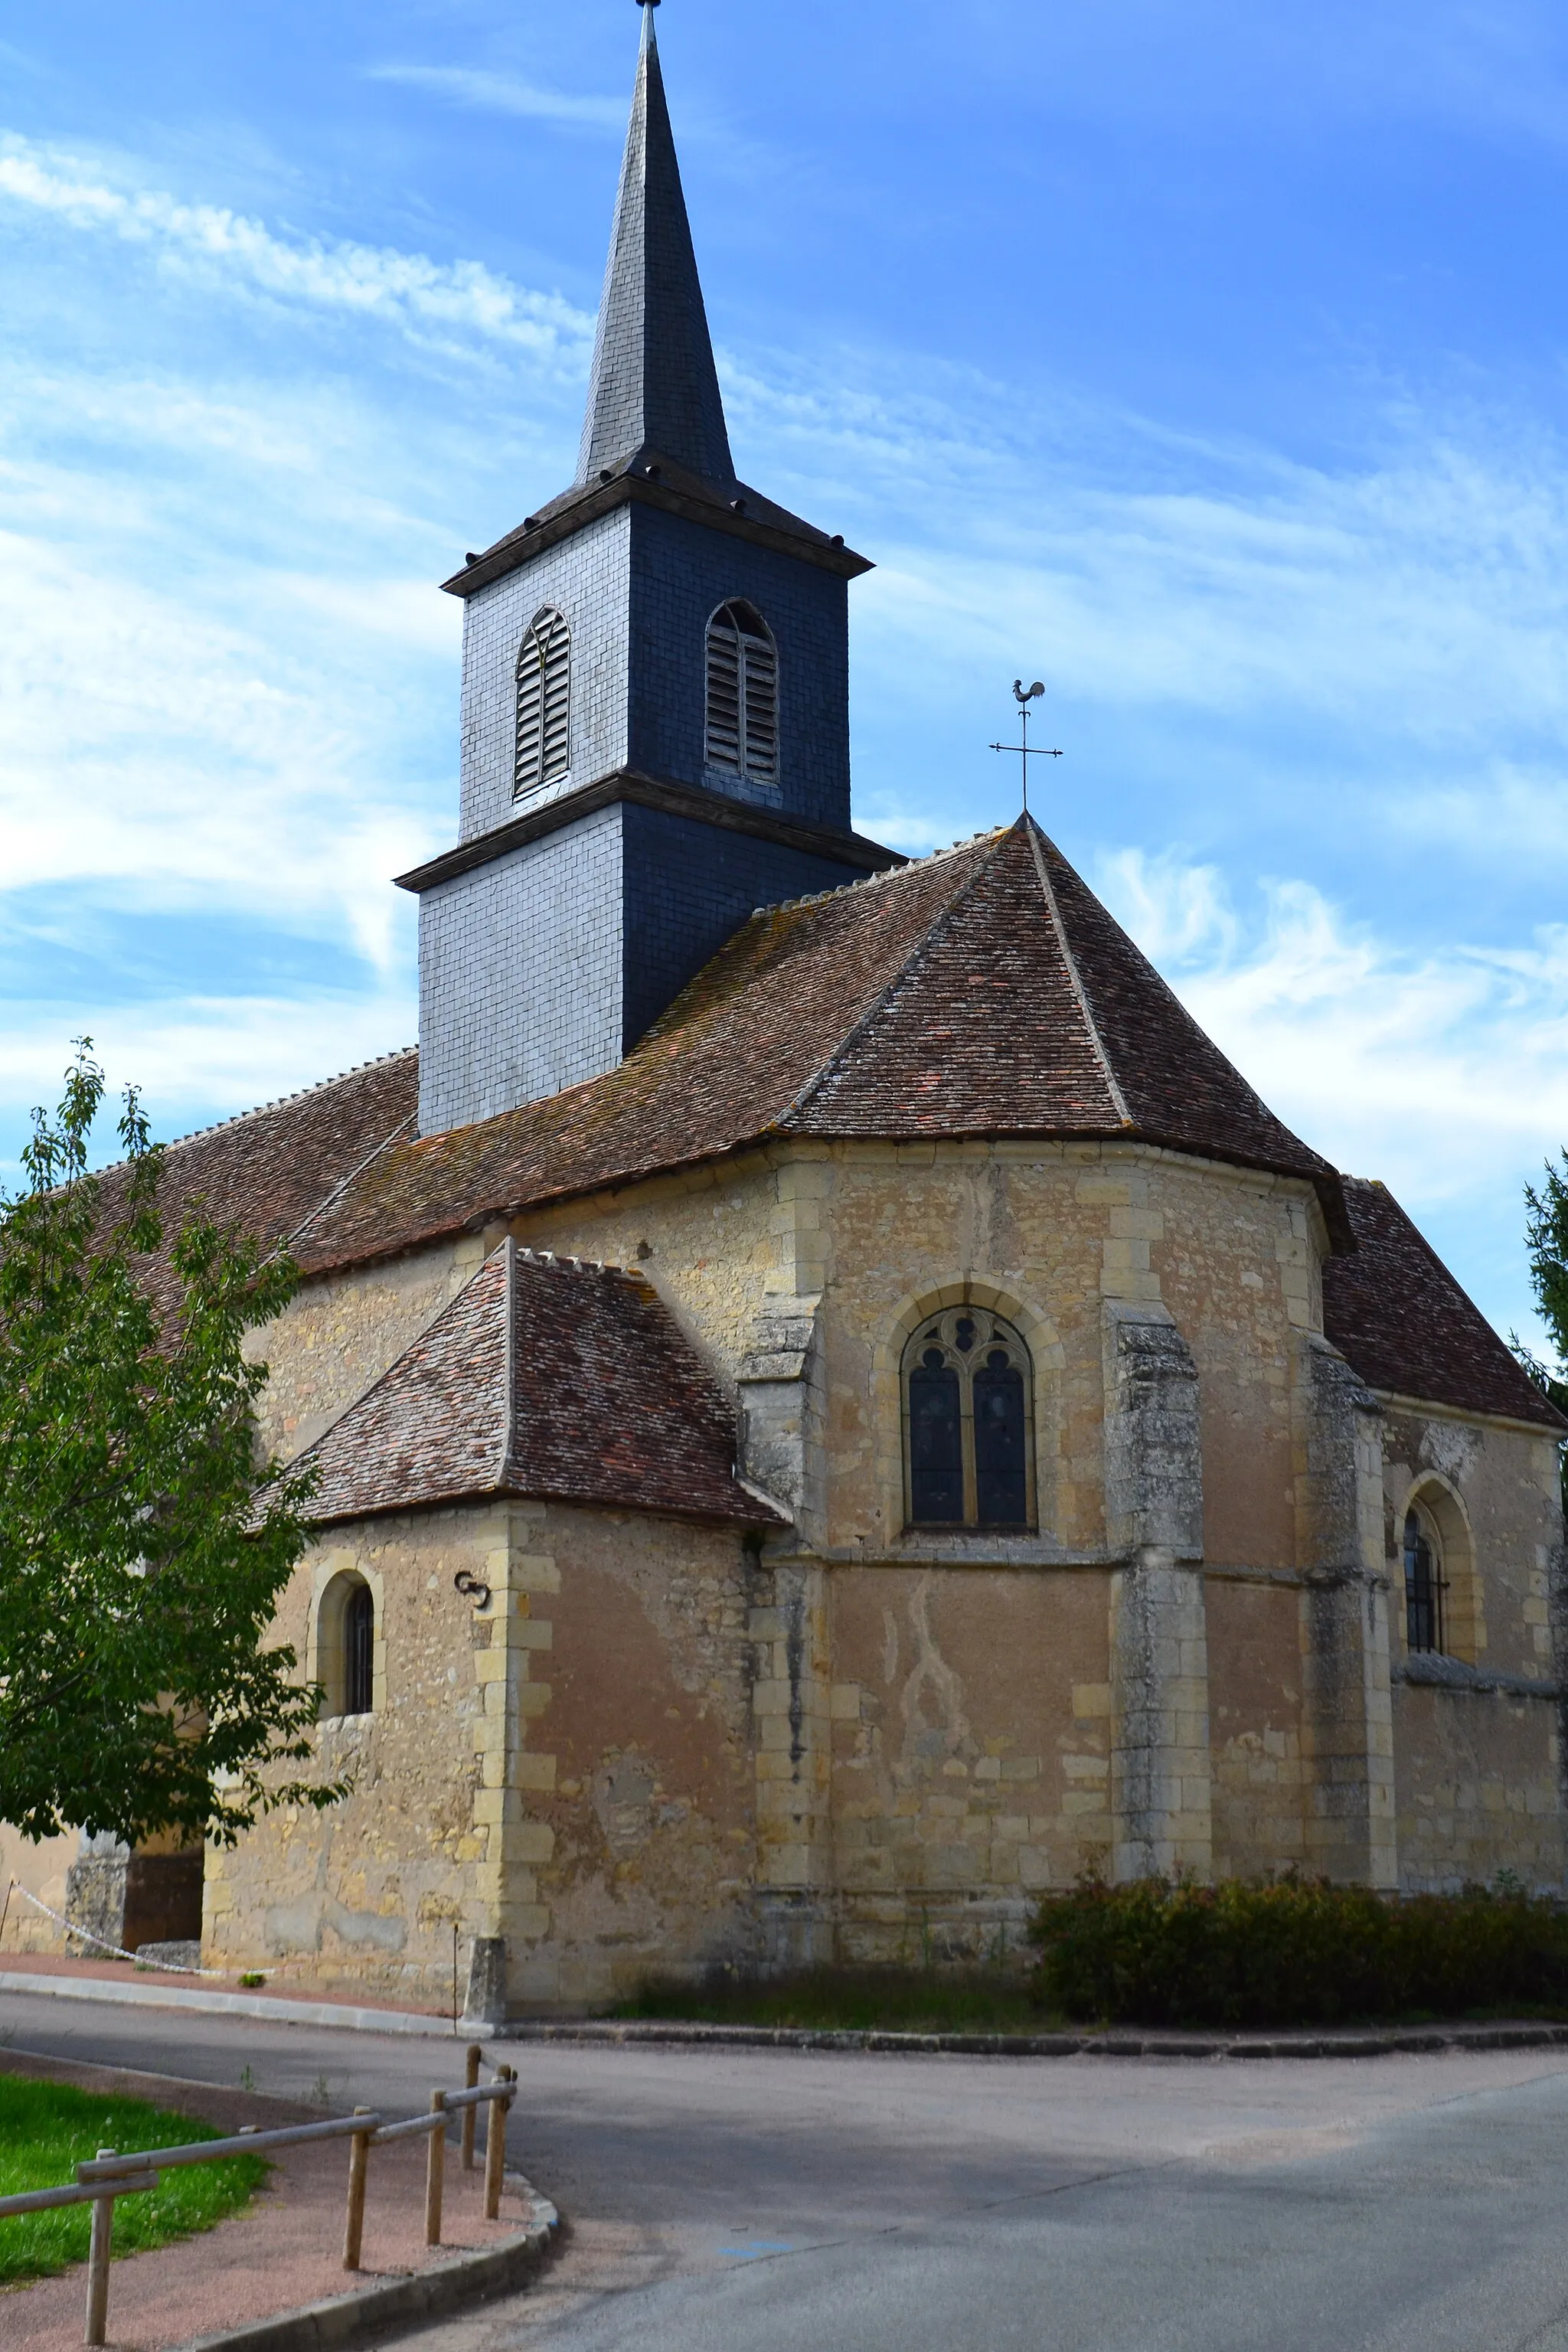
(654, 704)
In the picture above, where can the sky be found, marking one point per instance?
(1206, 363)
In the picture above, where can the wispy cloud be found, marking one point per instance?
(406, 289)
(503, 93)
(1445, 1074)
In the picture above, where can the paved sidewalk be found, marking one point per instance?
(285, 2250)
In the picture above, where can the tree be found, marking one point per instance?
(143, 1541)
(1546, 1233)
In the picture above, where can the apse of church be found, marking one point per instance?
(837, 1408)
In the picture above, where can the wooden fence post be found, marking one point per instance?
(470, 2115)
(495, 2148)
(435, 2171)
(98, 2261)
(358, 2164)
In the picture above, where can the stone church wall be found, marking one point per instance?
(1478, 1744)
(566, 1767)
(869, 1743)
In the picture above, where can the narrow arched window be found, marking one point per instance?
(968, 1422)
(359, 1652)
(1423, 1584)
(743, 694)
(544, 753)
(345, 1647)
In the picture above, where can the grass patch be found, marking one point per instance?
(46, 2129)
(854, 2000)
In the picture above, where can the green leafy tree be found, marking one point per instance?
(1546, 1233)
(144, 1540)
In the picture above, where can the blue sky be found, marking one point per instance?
(1204, 361)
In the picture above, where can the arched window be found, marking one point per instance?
(543, 704)
(345, 1647)
(969, 1450)
(1424, 1585)
(743, 694)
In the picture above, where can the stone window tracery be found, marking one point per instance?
(742, 733)
(543, 745)
(968, 1422)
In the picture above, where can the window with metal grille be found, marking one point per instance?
(968, 1423)
(543, 704)
(1423, 1584)
(743, 694)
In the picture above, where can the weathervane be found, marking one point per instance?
(1023, 694)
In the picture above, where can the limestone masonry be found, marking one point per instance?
(837, 1407)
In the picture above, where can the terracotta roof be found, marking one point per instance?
(983, 991)
(272, 1170)
(1397, 1314)
(544, 1377)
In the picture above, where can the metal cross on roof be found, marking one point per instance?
(1023, 694)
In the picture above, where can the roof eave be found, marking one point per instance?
(579, 507)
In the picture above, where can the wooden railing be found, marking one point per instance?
(109, 2175)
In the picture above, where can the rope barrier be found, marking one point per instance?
(170, 1968)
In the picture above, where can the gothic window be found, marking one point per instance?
(1423, 1584)
(968, 1422)
(743, 694)
(543, 751)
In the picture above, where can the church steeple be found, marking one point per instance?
(653, 386)
(656, 705)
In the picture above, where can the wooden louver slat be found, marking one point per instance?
(742, 695)
(544, 753)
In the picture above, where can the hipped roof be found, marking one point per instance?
(1398, 1315)
(547, 1378)
(981, 993)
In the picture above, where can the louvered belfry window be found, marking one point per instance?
(543, 704)
(743, 694)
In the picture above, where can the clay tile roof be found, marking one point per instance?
(544, 1377)
(1398, 1316)
(983, 991)
(271, 1171)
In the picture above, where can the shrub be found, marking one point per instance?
(1294, 1951)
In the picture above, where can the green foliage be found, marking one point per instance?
(143, 1543)
(1546, 1233)
(850, 2001)
(1295, 1951)
(46, 2129)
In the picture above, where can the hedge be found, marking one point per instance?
(1295, 1951)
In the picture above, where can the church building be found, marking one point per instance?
(837, 1407)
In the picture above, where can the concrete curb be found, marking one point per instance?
(1370, 2042)
(365, 2313)
(248, 2004)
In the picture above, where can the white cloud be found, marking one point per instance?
(407, 290)
(1445, 1074)
(501, 93)
(218, 1055)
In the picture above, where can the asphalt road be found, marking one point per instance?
(758, 2199)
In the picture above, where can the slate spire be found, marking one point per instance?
(653, 383)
